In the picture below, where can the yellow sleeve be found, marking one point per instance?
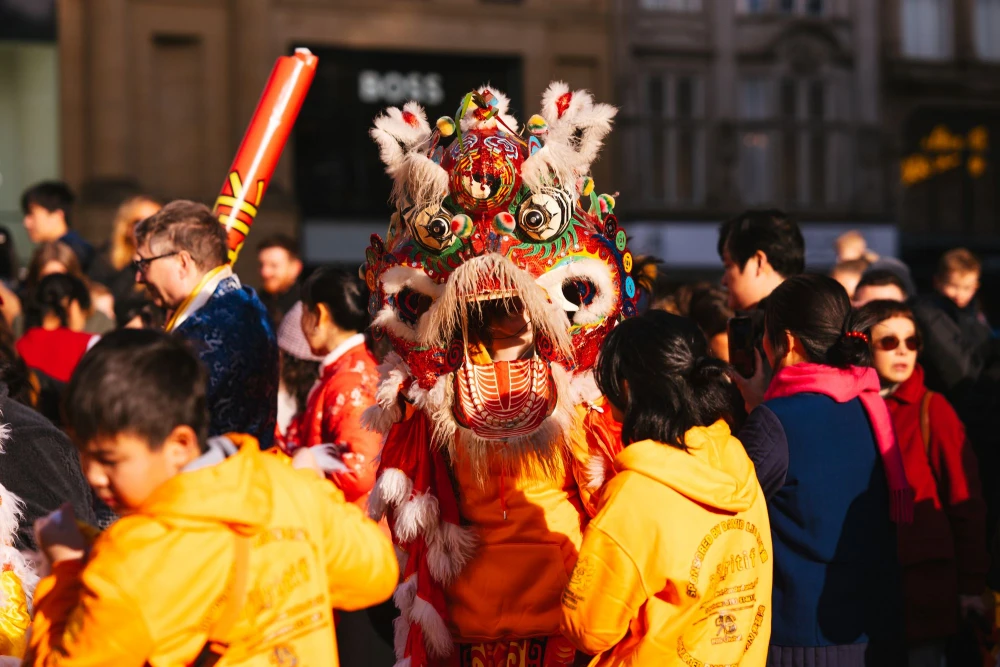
(84, 620)
(14, 618)
(603, 596)
(361, 561)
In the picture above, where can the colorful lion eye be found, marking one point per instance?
(544, 216)
(432, 228)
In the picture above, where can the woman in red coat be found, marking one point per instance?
(334, 314)
(943, 552)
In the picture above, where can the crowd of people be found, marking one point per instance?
(143, 379)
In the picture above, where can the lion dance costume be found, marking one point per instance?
(488, 465)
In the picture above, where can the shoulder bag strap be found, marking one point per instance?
(925, 421)
(219, 637)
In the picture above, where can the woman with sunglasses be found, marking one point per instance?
(943, 552)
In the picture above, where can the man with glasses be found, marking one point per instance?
(182, 260)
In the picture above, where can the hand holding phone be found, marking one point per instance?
(741, 345)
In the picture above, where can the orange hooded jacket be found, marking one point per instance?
(676, 567)
(158, 580)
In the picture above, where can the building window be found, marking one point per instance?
(926, 29)
(987, 25)
(670, 5)
(751, 6)
(755, 142)
(670, 141)
(791, 150)
(809, 7)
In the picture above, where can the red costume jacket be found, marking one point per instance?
(346, 388)
(943, 552)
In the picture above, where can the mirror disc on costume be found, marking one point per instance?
(627, 262)
(629, 287)
(620, 240)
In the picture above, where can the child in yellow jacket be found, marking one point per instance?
(223, 555)
(676, 568)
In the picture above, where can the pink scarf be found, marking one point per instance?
(843, 386)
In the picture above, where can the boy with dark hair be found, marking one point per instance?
(221, 550)
(48, 216)
(759, 250)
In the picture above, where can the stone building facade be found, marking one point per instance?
(155, 94)
(735, 103)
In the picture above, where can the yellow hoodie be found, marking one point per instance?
(675, 569)
(158, 580)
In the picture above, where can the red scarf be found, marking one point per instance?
(843, 385)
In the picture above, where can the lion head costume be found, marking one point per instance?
(500, 276)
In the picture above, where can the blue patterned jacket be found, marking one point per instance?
(232, 336)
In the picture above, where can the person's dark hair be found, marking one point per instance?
(673, 385)
(8, 256)
(53, 296)
(50, 195)
(299, 376)
(816, 310)
(876, 312)
(136, 381)
(153, 317)
(343, 293)
(185, 225)
(709, 308)
(882, 278)
(283, 241)
(770, 231)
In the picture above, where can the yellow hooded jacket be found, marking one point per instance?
(158, 580)
(676, 568)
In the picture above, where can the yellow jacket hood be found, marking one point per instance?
(234, 489)
(714, 471)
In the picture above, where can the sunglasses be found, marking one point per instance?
(890, 343)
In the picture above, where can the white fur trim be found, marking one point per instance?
(449, 551)
(405, 662)
(566, 156)
(9, 661)
(402, 147)
(402, 557)
(416, 516)
(451, 310)
(437, 638)
(595, 472)
(584, 388)
(403, 597)
(593, 270)
(400, 633)
(386, 411)
(391, 489)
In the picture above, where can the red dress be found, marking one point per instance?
(55, 352)
(943, 552)
(346, 388)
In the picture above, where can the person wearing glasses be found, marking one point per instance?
(182, 259)
(943, 552)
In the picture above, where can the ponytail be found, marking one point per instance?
(816, 310)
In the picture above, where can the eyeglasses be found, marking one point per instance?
(890, 343)
(141, 265)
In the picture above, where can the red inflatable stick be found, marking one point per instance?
(262, 145)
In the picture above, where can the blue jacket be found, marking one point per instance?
(232, 336)
(836, 578)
